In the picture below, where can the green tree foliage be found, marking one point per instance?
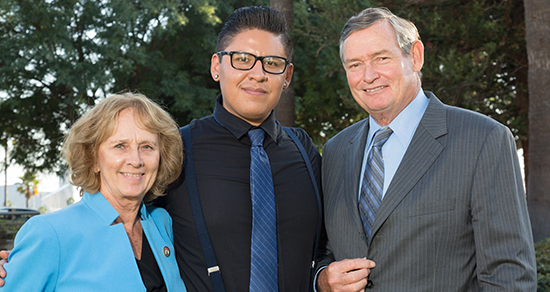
(28, 186)
(542, 249)
(325, 105)
(173, 63)
(57, 58)
(475, 55)
(42, 209)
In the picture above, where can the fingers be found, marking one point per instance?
(349, 265)
(2, 271)
(345, 275)
(5, 254)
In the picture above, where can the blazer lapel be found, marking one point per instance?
(355, 151)
(422, 152)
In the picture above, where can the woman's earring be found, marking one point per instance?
(284, 85)
(216, 76)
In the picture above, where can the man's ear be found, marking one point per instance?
(288, 74)
(417, 52)
(215, 67)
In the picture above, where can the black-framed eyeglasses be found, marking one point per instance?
(246, 61)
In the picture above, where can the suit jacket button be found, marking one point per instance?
(166, 251)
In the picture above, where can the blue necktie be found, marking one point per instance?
(263, 255)
(373, 181)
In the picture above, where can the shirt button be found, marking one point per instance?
(166, 251)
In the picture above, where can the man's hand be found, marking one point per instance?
(345, 275)
(4, 254)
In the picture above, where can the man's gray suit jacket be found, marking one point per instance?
(454, 217)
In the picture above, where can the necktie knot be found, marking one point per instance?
(256, 137)
(381, 136)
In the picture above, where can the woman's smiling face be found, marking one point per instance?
(128, 160)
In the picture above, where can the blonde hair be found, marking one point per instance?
(97, 125)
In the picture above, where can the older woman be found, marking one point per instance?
(122, 152)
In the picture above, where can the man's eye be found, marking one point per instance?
(273, 62)
(242, 58)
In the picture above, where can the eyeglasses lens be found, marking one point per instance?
(245, 61)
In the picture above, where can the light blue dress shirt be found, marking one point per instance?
(403, 126)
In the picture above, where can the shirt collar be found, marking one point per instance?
(105, 210)
(101, 206)
(404, 125)
(239, 127)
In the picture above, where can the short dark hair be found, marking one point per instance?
(255, 17)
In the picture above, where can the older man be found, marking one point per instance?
(430, 194)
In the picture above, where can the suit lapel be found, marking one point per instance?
(354, 152)
(420, 155)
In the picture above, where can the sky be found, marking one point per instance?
(47, 182)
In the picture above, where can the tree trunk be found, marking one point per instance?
(285, 109)
(28, 195)
(6, 175)
(522, 84)
(537, 26)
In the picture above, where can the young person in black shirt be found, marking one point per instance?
(250, 89)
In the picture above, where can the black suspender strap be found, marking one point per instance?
(315, 187)
(212, 265)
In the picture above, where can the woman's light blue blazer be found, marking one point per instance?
(77, 249)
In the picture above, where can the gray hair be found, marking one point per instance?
(405, 31)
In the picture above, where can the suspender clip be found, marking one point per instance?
(213, 270)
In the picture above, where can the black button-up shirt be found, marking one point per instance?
(221, 154)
